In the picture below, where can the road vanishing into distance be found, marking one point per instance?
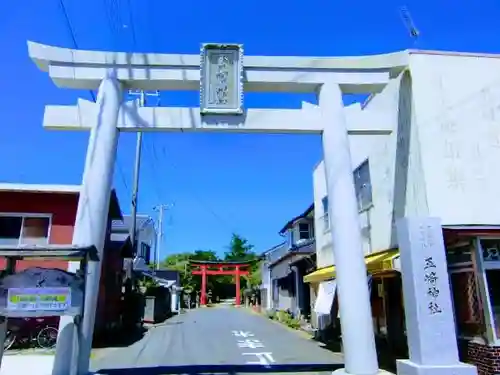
(217, 336)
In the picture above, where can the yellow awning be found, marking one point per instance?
(375, 263)
(322, 274)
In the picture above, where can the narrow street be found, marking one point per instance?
(217, 336)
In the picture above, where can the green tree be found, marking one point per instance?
(255, 277)
(241, 250)
(180, 262)
(207, 255)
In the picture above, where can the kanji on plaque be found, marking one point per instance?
(429, 263)
(434, 308)
(431, 278)
(433, 291)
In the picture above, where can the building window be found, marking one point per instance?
(464, 289)
(304, 231)
(24, 229)
(489, 253)
(363, 186)
(146, 253)
(290, 238)
(493, 284)
(466, 302)
(326, 218)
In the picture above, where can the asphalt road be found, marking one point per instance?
(217, 336)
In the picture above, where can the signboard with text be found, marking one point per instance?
(35, 299)
(221, 79)
(426, 290)
(37, 292)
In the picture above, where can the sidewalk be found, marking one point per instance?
(39, 364)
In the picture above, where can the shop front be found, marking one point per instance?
(386, 300)
(473, 255)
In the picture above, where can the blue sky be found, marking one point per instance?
(219, 183)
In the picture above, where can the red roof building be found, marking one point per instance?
(45, 214)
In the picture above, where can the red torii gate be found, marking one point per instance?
(205, 268)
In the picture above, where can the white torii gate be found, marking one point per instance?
(221, 76)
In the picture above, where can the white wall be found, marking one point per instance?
(375, 223)
(442, 157)
(324, 254)
(457, 114)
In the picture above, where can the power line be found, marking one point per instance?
(152, 150)
(110, 21)
(72, 34)
(132, 27)
(75, 45)
(201, 201)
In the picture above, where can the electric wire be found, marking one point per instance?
(71, 31)
(153, 156)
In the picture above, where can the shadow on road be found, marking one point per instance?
(120, 338)
(386, 359)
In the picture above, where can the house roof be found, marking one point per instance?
(281, 267)
(124, 225)
(40, 188)
(277, 252)
(301, 216)
(168, 274)
(308, 247)
(115, 210)
(272, 249)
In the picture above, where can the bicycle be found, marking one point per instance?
(47, 337)
(10, 339)
(29, 332)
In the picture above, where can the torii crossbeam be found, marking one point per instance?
(207, 268)
(222, 74)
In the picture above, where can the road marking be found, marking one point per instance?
(242, 334)
(264, 358)
(249, 343)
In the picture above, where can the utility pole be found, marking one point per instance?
(137, 167)
(159, 233)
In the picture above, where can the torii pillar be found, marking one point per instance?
(330, 77)
(74, 343)
(236, 269)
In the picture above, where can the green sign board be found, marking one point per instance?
(39, 299)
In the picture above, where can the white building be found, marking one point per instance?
(440, 160)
